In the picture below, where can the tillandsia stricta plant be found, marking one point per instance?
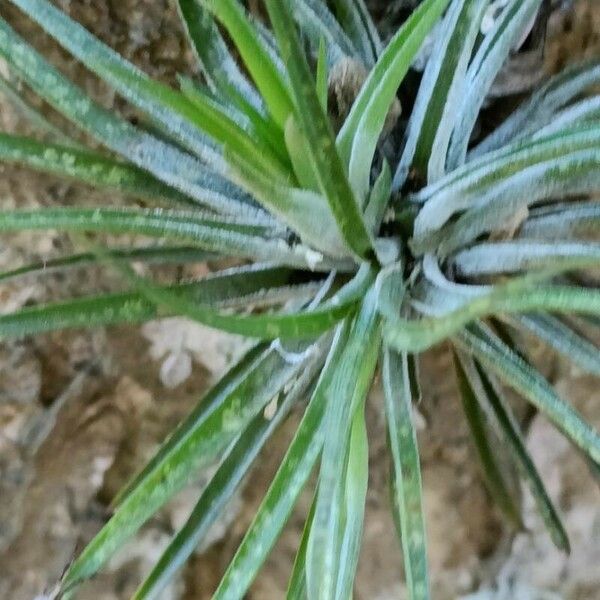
(354, 259)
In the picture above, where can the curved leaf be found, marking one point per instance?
(478, 427)
(484, 67)
(560, 336)
(507, 427)
(554, 94)
(357, 140)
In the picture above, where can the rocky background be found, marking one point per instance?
(81, 411)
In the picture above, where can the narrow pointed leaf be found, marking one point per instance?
(318, 23)
(204, 442)
(217, 494)
(86, 166)
(486, 64)
(297, 585)
(560, 336)
(441, 91)
(563, 222)
(554, 94)
(478, 427)
(184, 121)
(224, 236)
(348, 388)
(407, 485)
(295, 325)
(165, 161)
(256, 57)
(508, 428)
(32, 114)
(357, 21)
(303, 210)
(318, 130)
(148, 255)
(290, 479)
(519, 296)
(218, 65)
(493, 258)
(355, 493)
(357, 141)
(539, 168)
(496, 357)
(135, 307)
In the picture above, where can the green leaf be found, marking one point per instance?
(541, 106)
(560, 336)
(360, 133)
(406, 474)
(586, 111)
(165, 161)
(297, 585)
(322, 75)
(295, 325)
(210, 402)
(355, 494)
(151, 255)
(135, 307)
(299, 153)
(86, 166)
(303, 210)
(218, 65)
(356, 20)
(493, 258)
(255, 55)
(440, 93)
(485, 66)
(563, 222)
(291, 477)
(492, 471)
(317, 128)
(379, 199)
(181, 119)
(537, 169)
(166, 107)
(318, 24)
(519, 296)
(198, 447)
(229, 476)
(495, 166)
(571, 176)
(497, 358)
(347, 390)
(253, 122)
(496, 405)
(33, 115)
(211, 233)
